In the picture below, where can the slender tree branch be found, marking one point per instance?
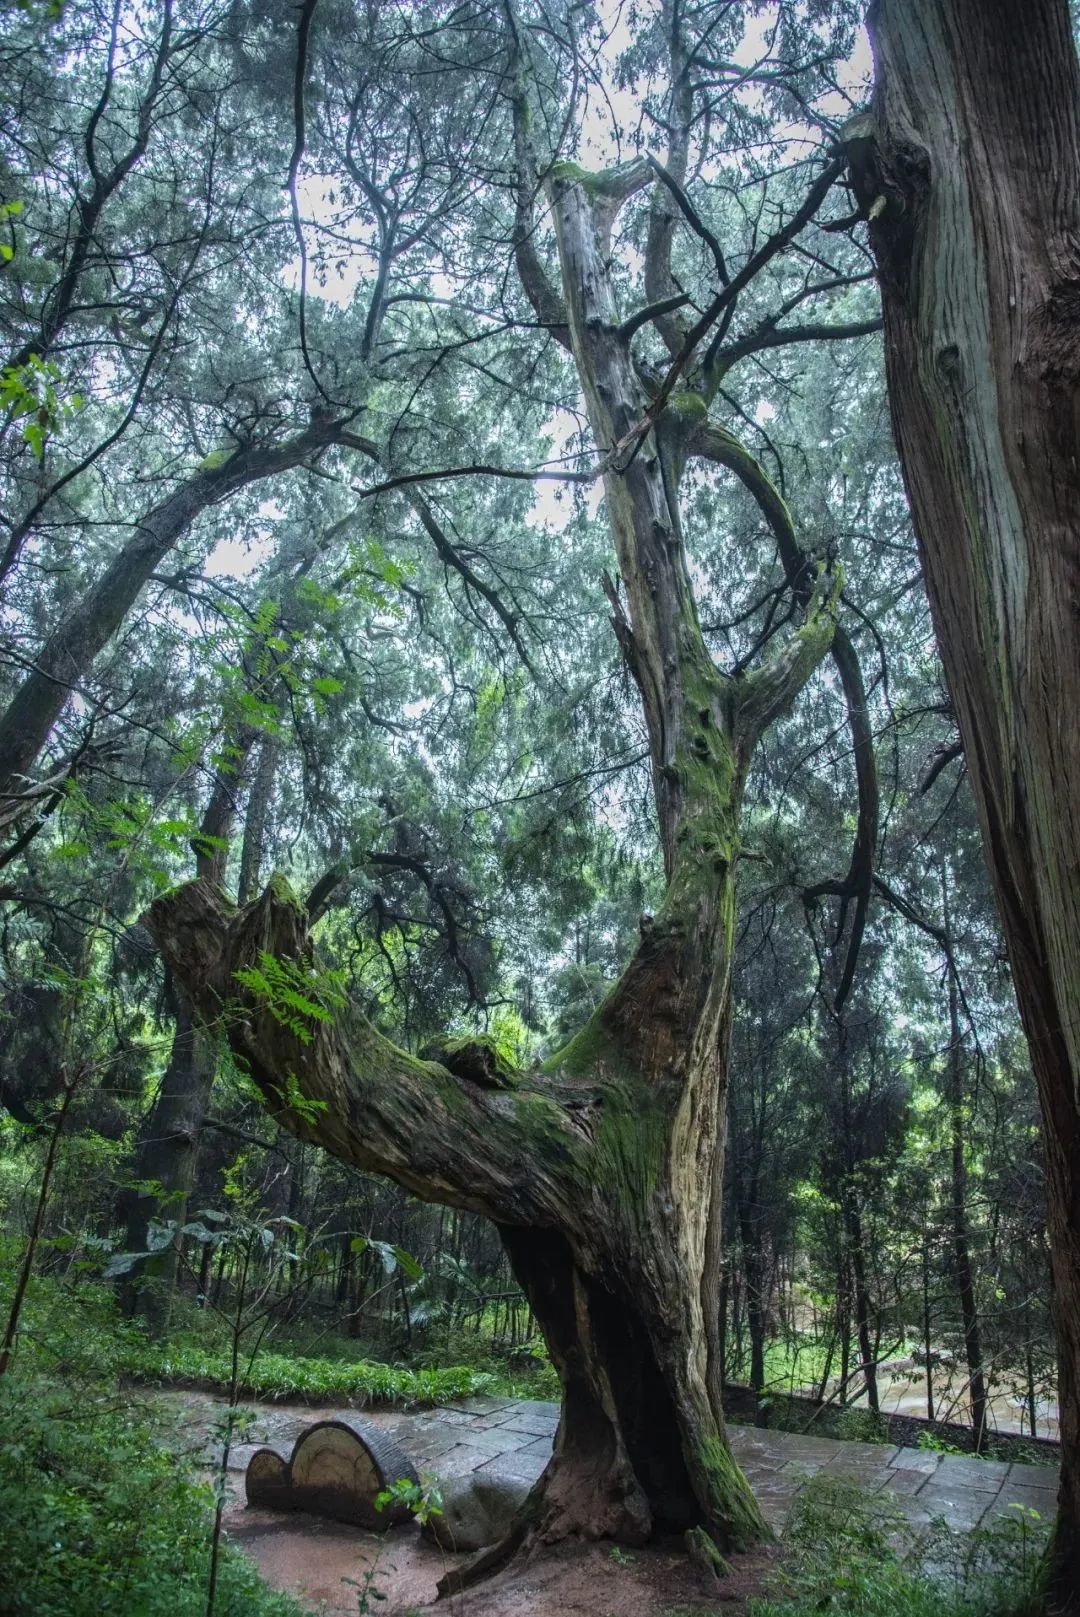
(303, 36)
(652, 311)
(715, 443)
(941, 759)
(693, 219)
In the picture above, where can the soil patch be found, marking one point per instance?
(582, 1580)
(313, 1560)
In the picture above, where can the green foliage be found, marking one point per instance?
(152, 844)
(935, 1444)
(424, 1501)
(422, 1498)
(403, 723)
(283, 1376)
(9, 211)
(100, 1516)
(47, 11)
(390, 1256)
(860, 1426)
(294, 994)
(31, 393)
(854, 1554)
(216, 459)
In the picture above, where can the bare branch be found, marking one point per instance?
(694, 219)
(941, 759)
(652, 311)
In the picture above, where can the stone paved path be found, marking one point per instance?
(513, 1438)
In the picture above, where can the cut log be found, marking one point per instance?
(267, 1479)
(337, 1469)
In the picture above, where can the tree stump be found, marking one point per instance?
(337, 1468)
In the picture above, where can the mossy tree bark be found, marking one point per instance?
(603, 1169)
(969, 170)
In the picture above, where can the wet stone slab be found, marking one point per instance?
(981, 1476)
(901, 1481)
(512, 1438)
(520, 1466)
(776, 1493)
(958, 1507)
(874, 1463)
(803, 1469)
(917, 1460)
(533, 1425)
(468, 1418)
(757, 1454)
(808, 1450)
(1017, 1497)
(493, 1440)
(490, 1404)
(1034, 1476)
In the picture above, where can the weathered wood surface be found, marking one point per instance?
(337, 1468)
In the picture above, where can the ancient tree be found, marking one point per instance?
(969, 171)
(603, 1169)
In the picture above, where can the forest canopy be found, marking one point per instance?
(534, 735)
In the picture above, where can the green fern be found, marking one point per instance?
(295, 995)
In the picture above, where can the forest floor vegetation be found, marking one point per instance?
(100, 1518)
(104, 1511)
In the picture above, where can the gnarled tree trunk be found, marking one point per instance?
(604, 1169)
(970, 172)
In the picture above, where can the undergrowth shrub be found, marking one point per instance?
(99, 1517)
(860, 1426)
(852, 1554)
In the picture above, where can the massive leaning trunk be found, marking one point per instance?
(603, 1170)
(969, 171)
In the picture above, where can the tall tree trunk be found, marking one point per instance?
(603, 1170)
(165, 1165)
(970, 171)
(927, 1331)
(722, 1346)
(68, 654)
(168, 1148)
(253, 847)
(754, 1272)
(843, 1318)
(965, 1274)
(863, 1310)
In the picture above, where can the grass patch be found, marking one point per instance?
(283, 1376)
(71, 1328)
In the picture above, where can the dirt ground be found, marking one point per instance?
(313, 1560)
(582, 1580)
